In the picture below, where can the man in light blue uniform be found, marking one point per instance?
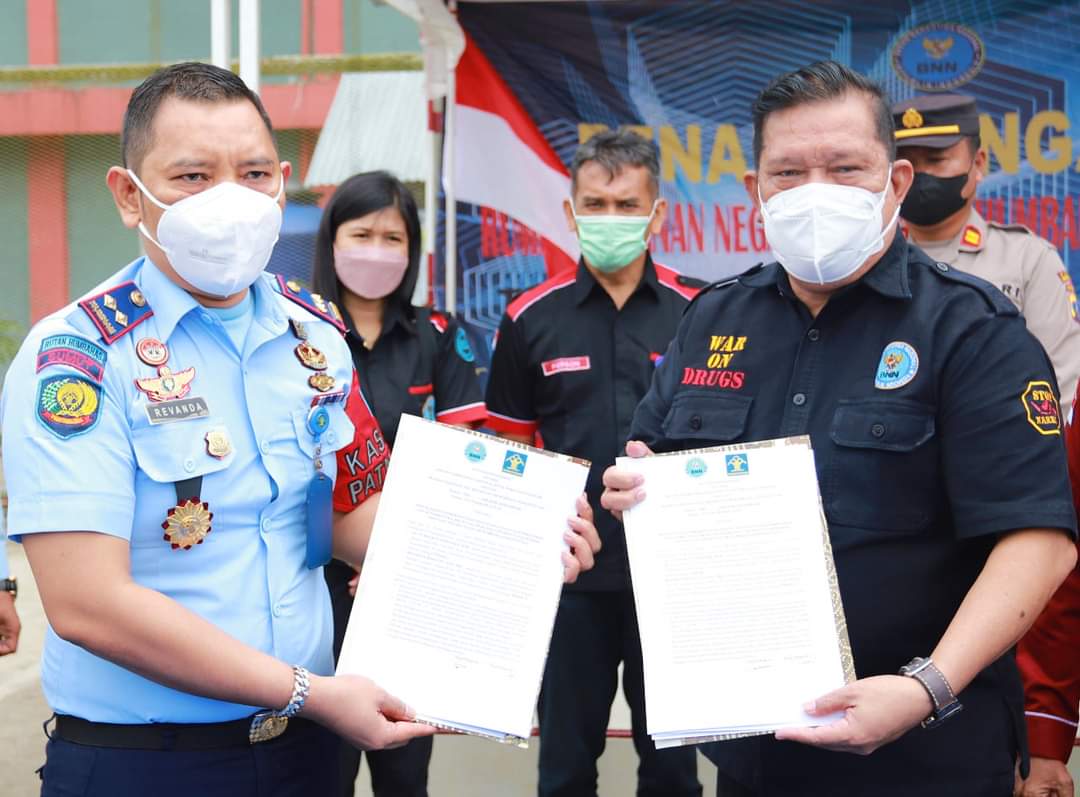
(173, 444)
(9, 618)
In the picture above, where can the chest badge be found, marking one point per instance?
(321, 382)
(218, 444)
(166, 385)
(187, 524)
(898, 366)
(310, 357)
(152, 352)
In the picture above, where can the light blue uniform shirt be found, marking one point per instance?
(118, 477)
(4, 571)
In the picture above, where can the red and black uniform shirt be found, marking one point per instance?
(570, 366)
(422, 364)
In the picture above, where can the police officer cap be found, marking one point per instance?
(938, 120)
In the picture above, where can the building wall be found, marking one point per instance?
(149, 31)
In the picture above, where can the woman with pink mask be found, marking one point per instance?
(410, 360)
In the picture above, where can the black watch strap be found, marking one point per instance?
(937, 686)
(10, 585)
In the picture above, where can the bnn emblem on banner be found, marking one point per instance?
(514, 462)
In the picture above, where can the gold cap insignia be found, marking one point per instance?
(912, 118)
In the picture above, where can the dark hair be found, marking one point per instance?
(187, 81)
(822, 80)
(614, 150)
(358, 196)
(975, 142)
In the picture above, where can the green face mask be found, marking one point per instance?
(609, 243)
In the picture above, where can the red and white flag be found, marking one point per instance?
(502, 160)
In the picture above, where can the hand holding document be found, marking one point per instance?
(461, 582)
(736, 594)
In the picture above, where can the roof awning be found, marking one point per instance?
(378, 120)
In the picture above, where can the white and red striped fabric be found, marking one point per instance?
(502, 160)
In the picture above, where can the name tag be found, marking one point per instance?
(564, 365)
(176, 410)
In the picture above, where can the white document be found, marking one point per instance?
(461, 582)
(740, 615)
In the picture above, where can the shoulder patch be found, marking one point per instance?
(117, 311)
(998, 302)
(312, 302)
(74, 352)
(68, 405)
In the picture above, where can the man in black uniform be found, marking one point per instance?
(572, 359)
(934, 419)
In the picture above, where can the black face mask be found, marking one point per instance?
(933, 199)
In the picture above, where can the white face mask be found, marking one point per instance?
(218, 240)
(822, 232)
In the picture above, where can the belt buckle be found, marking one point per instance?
(267, 725)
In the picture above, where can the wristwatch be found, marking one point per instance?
(267, 725)
(10, 585)
(934, 682)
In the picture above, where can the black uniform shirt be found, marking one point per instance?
(421, 364)
(935, 426)
(570, 365)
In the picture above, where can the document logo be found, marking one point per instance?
(736, 464)
(475, 451)
(696, 467)
(514, 462)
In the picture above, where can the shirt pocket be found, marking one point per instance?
(884, 472)
(707, 418)
(339, 431)
(172, 453)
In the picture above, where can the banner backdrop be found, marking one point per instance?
(538, 78)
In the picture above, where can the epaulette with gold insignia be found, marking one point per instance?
(972, 236)
(117, 311)
(326, 310)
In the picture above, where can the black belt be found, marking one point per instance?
(161, 735)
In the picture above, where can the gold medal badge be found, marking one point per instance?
(187, 524)
(321, 382)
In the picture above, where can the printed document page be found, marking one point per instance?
(458, 592)
(740, 615)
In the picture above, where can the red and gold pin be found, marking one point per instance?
(310, 357)
(166, 385)
(152, 351)
(972, 236)
(321, 382)
(187, 524)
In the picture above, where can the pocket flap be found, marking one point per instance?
(719, 417)
(172, 452)
(883, 424)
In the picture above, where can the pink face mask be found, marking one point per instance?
(370, 271)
